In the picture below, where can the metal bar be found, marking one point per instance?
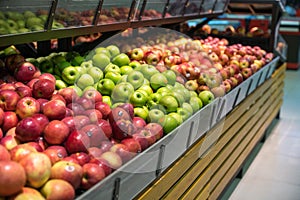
(185, 6)
(190, 134)
(50, 18)
(166, 9)
(142, 9)
(116, 191)
(214, 5)
(200, 7)
(160, 159)
(97, 13)
(131, 11)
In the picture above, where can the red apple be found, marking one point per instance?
(56, 153)
(32, 82)
(92, 174)
(5, 155)
(8, 86)
(37, 167)
(77, 141)
(28, 130)
(81, 157)
(155, 130)
(70, 159)
(93, 95)
(54, 109)
(113, 159)
(102, 163)
(94, 152)
(76, 107)
(13, 178)
(105, 127)
(56, 132)
(58, 189)
(95, 134)
(145, 138)
(42, 103)
(123, 151)
(43, 88)
(246, 72)
(47, 76)
(69, 94)
(58, 97)
(24, 91)
(35, 145)
(26, 107)
(9, 142)
(25, 71)
(12, 62)
(218, 91)
(132, 144)
(93, 114)
(86, 103)
(122, 129)
(1, 116)
(104, 108)
(41, 119)
(68, 171)
(8, 100)
(139, 122)
(128, 107)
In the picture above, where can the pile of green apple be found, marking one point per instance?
(12, 22)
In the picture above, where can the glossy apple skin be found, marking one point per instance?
(8, 100)
(37, 167)
(27, 106)
(5, 155)
(104, 108)
(105, 127)
(56, 132)
(58, 189)
(54, 109)
(77, 141)
(13, 178)
(41, 119)
(28, 130)
(10, 120)
(25, 72)
(20, 151)
(68, 171)
(43, 88)
(92, 174)
(56, 153)
(95, 134)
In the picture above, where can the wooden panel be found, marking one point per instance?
(188, 176)
(204, 194)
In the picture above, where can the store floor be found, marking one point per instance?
(274, 171)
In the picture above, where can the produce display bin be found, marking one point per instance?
(138, 177)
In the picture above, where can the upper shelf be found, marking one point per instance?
(38, 20)
(255, 6)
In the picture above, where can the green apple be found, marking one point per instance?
(123, 79)
(196, 103)
(136, 65)
(46, 66)
(146, 82)
(164, 91)
(179, 97)
(168, 123)
(169, 102)
(70, 75)
(90, 87)
(125, 69)
(33, 61)
(148, 71)
(33, 21)
(96, 73)
(57, 77)
(155, 115)
(147, 89)
(100, 60)
(81, 70)
(84, 80)
(141, 112)
(193, 94)
(87, 64)
(177, 116)
(138, 99)
(77, 60)
(185, 93)
(114, 76)
(188, 107)
(183, 113)
(171, 76)
(158, 80)
(59, 84)
(28, 14)
(102, 50)
(107, 99)
(112, 68)
(122, 92)
(121, 60)
(57, 58)
(113, 50)
(136, 79)
(206, 97)
(155, 97)
(105, 86)
(62, 65)
(178, 85)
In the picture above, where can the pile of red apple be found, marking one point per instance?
(54, 143)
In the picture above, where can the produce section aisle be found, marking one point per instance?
(274, 173)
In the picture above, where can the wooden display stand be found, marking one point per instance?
(205, 170)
